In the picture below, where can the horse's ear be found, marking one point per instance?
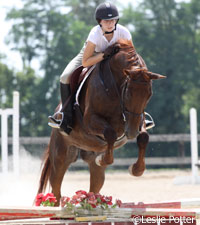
(130, 72)
(134, 71)
(155, 76)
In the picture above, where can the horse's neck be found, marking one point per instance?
(118, 76)
(110, 77)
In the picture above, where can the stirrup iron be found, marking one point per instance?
(56, 123)
(149, 121)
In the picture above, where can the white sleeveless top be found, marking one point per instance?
(96, 37)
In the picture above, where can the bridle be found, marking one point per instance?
(124, 111)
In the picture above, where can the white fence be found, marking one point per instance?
(5, 113)
(193, 138)
(194, 146)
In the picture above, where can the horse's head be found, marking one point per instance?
(136, 97)
(137, 86)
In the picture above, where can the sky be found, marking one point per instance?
(13, 58)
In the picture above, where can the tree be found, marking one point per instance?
(6, 86)
(163, 33)
(53, 32)
(24, 82)
(192, 95)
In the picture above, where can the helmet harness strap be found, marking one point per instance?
(110, 32)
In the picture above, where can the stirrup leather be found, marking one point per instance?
(149, 121)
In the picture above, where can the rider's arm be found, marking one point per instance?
(89, 59)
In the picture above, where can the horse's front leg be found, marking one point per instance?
(137, 169)
(97, 125)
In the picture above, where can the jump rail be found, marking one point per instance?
(173, 212)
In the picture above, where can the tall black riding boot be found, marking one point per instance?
(67, 110)
(63, 118)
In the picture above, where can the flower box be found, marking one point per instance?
(84, 204)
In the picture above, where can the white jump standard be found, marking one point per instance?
(195, 163)
(5, 113)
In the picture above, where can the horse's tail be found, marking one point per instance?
(45, 172)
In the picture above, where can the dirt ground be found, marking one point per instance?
(153, 186)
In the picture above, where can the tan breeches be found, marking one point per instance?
(73, 64)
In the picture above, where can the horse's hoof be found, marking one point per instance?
(135, 171)
(130, 169)
(98, 160)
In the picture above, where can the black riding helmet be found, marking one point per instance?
(107, 11)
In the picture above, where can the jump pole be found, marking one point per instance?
(15, 133)
(154, 213)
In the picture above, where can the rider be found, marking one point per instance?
(106, 33)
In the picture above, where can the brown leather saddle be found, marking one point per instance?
(76, 78)
(79, 73)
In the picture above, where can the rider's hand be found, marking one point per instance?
(109, 52)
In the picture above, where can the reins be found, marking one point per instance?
(115, 87)
(124, 87)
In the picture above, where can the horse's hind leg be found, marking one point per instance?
(138, 168)
(61, 160)
(97, 173)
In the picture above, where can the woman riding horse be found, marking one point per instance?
(105, 34)
(122, 85)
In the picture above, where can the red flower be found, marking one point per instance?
(85, 200)
(50, 197)
(81, 195)
(98, 195)
(108, 200)
(39, 199)
(45, 200)
(92, 199)
(118, 202)
(93, 205)
(102, 197)
(75, 200)
(64, 200)
(81, 192)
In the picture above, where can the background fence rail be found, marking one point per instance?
(153, 138)
(123, 162)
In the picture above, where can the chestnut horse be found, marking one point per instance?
(111, 111)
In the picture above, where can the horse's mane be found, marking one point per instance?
(124, 43)
(128, 47)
